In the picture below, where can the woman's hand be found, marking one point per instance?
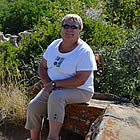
(48, 87)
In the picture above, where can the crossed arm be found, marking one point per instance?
(79, 79)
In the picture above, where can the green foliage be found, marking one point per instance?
(22, 15)
(9, 63)
(99, 34)
(110, 28)
(120, 74)
(123, 12)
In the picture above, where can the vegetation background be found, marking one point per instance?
(111, 28)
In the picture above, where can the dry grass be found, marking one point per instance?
(13, 104)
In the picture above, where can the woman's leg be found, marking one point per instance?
(54, 129)
(57, 101)
(37, 108)
(35, 134)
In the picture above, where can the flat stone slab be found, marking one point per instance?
(120, 123)
(101, 104)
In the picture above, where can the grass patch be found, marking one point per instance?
(13, 104)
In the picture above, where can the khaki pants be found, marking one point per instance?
(54, 105)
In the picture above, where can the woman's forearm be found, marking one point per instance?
(68, 83)
(43, 72)
(78, 80)
(44, 76)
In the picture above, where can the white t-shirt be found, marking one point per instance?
(64, 65)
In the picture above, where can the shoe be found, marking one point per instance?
(29, 139)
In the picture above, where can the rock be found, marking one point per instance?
(3, 38)
(119, 123)
(109, 97)
(13, 40)
(79, 117)
(103, 120)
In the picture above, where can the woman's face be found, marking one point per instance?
(70, 31)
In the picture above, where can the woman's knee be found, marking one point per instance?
(32, 108)
(55, 97)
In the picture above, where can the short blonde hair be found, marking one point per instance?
(75, 18)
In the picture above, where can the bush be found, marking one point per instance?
(13, 104)
(9, 63)
(123, 12)
(22, 15)
(120, 71)
(107, 29)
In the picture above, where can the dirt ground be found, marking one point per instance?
(12, 132)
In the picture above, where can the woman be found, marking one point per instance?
(66, 71)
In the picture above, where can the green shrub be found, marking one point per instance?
(121, 69)
(106, 29)
(99, 34)
(22, 15)
(9, 63)
(123, 12)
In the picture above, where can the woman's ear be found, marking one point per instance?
(61, 32)
(80, 31)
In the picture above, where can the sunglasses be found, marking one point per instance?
(66, 26)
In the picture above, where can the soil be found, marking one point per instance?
(10, 131)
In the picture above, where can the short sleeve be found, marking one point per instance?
(86, 61)
(45, 55)
(50, 48)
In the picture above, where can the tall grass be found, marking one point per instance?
(13, 103)
(14, 85)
